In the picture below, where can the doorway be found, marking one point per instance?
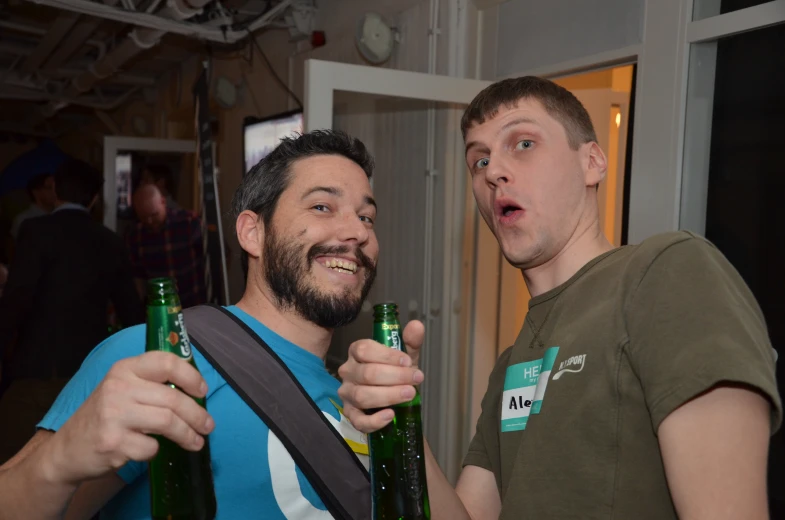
(606, 95)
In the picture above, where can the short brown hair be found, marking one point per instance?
(559, 102)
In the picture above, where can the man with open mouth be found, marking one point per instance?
(642, 384)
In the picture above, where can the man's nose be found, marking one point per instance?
(352, 229)
(496, 173)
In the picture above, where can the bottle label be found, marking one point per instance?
(388, 334)
(168, 331)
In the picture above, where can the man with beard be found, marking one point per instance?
(305, 220)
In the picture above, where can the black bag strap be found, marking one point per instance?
(270, 389)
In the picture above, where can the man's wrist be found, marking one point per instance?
(51, 466)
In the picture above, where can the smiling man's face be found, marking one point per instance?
(320, 250)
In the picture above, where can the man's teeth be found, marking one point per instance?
(341, 265)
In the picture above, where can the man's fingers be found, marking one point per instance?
(385, 375)
(163, 421)
(367, 351)
(164, 396)
(368, 423)
(370, 397)
(140, 447)
(164, 367)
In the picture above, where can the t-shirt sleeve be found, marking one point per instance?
(484, 449)
(126, 343)
(694, 324)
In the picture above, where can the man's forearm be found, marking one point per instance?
(444, 500)
(29, 488)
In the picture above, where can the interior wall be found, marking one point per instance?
(533, 34)
(396, 132)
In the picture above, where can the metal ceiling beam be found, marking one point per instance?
(57, 31)
(25, 94)
(156, 22)
(167, 19)
(136, 80)
(37, 31)
(76, 39)
(121, 78)
(14, 129)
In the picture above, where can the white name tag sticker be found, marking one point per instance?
(520, 385)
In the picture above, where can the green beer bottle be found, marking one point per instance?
(400, 490)
(181, 481)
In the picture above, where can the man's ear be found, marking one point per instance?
(250, 233)
(595, 164)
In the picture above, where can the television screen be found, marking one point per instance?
(260, 136)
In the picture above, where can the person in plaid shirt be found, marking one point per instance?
(167, 242)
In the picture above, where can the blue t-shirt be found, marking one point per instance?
(254, 475)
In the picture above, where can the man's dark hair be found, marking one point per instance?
(37, 183)
(77, 182)
(263, 184)
(161, 171)
(559, 102)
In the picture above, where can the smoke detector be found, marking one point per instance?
(375, 38)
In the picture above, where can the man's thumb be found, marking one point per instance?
(413, 337)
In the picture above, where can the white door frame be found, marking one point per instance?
(343, 77)
(115, 144)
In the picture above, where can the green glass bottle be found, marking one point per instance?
(399, 486)
(181, 481)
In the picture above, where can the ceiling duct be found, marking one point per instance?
(138, 40)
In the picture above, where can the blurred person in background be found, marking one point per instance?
(162, 177)
(66, 271)
(167, 242)
(41, 190)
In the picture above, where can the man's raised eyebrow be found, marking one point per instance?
(473, 144)
(369, 200)
(508, 124)
(326, 189)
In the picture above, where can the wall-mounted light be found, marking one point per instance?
(618, 120)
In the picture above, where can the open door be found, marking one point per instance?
(428, 229)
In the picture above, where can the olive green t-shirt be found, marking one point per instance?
(569, 421)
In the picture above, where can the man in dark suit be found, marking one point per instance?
(66, 271)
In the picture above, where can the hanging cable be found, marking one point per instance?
(275, 74)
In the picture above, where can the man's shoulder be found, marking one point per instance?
(655, 244)
(673, 247)
(126, 343)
